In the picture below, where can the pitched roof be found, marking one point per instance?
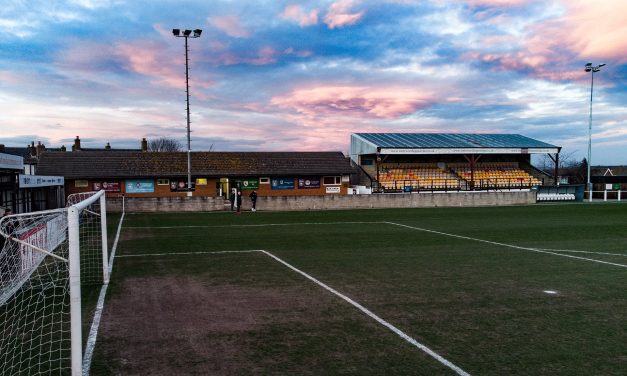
(603, 170)
(452, 140)
(130, 164)
(23, 152)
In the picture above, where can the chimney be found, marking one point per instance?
(40, 149)
(108, 146)
(31, 149)
(63, 148)
(144, 144)
(77, 144)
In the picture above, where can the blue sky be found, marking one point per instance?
(281, 75)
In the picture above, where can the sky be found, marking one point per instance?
(274, 75)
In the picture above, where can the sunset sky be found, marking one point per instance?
(278, 75)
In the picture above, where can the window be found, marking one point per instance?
(163, 181)
(367, 162)
(264, 180)
(332, 180)
(81, 183)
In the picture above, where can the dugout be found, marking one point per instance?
(164, 174)
(397, 162)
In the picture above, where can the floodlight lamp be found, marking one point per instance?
(601, 65)
(176, 32)
(588, 69)
(187, 32)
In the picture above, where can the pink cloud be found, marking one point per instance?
(230, 25)
(267, 55)
(147, 59)
(585, 31)
(9, 77)
(302, 53)
(155, 61)
(339, 14)
(594, 29)
(498, 3)
(263, 56)
(354, 101)
(295, 13)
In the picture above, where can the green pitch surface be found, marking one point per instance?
(534, 290)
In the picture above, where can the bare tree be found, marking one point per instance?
(567, 161)
(164, 144)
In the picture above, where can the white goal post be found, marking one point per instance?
(45, 259)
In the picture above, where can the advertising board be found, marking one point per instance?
(108, 186)
(282, 183)
(140, 186)
(308, 183)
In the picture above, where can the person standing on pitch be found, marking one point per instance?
(239, 201)
(253, 200)
(232, 198)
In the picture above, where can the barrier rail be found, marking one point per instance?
(606, 195)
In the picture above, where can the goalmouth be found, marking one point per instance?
(45, 259)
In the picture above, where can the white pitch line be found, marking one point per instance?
(93, 331)
(378, 319)
(365, 310)
(506, 245)
(256, 225)
(573, 251)
(186, 253)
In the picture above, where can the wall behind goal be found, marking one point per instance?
(282, 203)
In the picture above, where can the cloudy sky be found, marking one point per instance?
(279, 75)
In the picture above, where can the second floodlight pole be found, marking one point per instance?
(189, 142)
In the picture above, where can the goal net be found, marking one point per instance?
(45, 259)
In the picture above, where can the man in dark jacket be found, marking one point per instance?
(253, 200)
(239, 201)
(232, 198)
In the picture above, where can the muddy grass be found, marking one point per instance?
(181, 325)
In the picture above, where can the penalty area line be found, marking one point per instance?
(370, 314)
(258, 225)
(539, 250)
(185, 253)
(573, 251)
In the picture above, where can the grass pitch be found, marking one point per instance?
(508, 290)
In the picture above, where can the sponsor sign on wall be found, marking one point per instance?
(108, 186)
(282, 183)
(179, 186)
(306, 183)
(140, 186)
(333, 189)
(247, 183)
(34, 181)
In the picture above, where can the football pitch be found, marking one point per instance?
(526, 290)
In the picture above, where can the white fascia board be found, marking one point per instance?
(469, 150)
(11, 162)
